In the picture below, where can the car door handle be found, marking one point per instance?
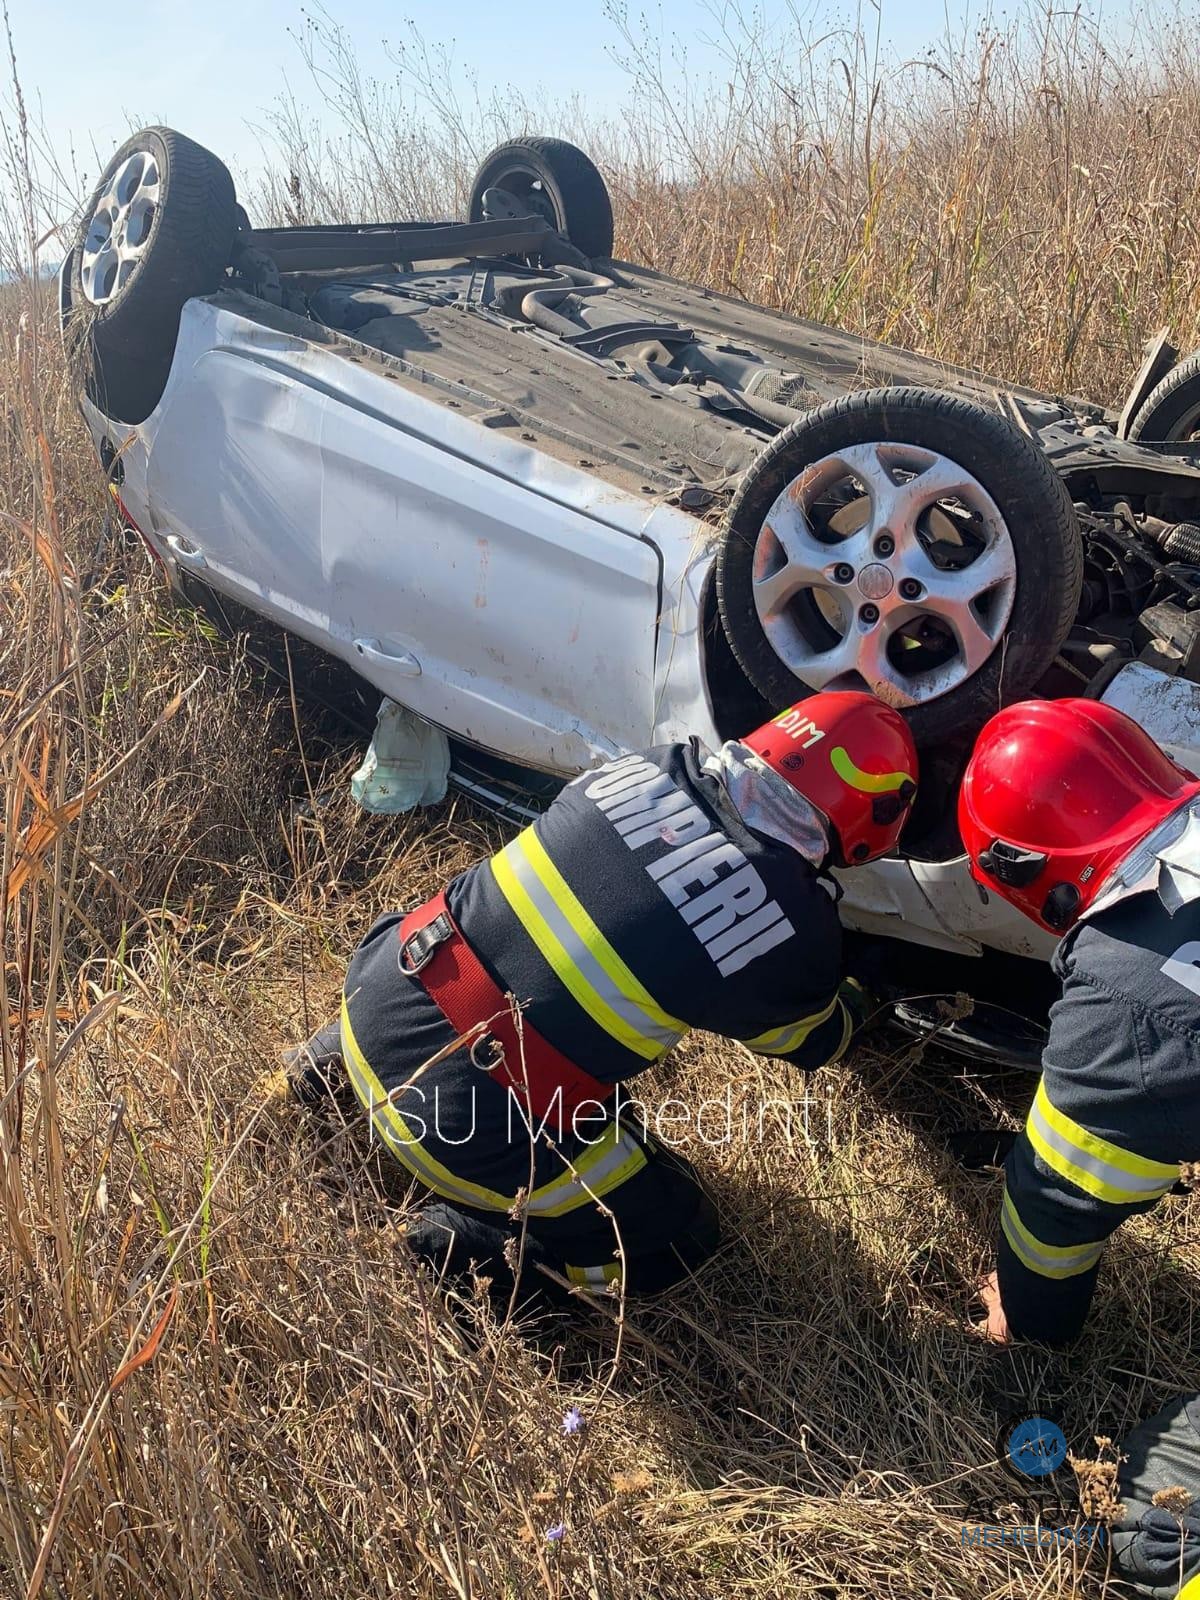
(402, 662)
(185, 552)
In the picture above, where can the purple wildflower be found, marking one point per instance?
(573, 1420)
(556, 1533)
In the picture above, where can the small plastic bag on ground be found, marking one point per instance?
(407, 763)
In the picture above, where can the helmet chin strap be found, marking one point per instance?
(768, 804)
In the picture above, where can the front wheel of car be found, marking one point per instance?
(905, 542)
(553, 180)
(158, 229)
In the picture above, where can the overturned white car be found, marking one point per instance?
(562, 506)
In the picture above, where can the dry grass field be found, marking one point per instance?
(220, 1373)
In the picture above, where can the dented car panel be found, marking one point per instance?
(463, 583)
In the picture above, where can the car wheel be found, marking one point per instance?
(905, 542)
(158, 230)
(558, 182)
(1170, 413)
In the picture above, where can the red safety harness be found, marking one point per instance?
(434, 951)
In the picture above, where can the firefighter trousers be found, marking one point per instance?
(619, 1207)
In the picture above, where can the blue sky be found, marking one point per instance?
(212, 68)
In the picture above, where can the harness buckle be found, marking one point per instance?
(497, 1055)
(423, 945)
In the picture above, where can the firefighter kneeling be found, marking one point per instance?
(673, 889)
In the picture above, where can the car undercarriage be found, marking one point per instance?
(673, 390)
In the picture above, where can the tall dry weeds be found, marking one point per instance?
(1019, 200)
(220, 1374)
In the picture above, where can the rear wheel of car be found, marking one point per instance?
(1170, 413)
(158, 230)
(904, 542)
(556, 181)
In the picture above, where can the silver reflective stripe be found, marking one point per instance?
(782, 1041)
(630, 1012)
(391, 1128)
(1048, 1261)
(615, 1157)
(595, 1277)
(1075, 1162)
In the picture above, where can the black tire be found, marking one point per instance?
(1030, 495)
(128, 340)
(561, 183)
(1170, 413)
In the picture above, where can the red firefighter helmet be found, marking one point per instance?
(854, 758)
(1055, 796)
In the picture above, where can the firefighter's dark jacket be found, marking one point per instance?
(1116, 1113)
(641, 905)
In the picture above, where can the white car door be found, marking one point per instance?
(441, 560)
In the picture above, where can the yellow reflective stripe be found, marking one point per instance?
(578, 953)
(1190, 1590)
(603, 1166)
(560, 963)
(1047, 1260)
(399, 1137)
(865, 782)
(847, 1032)
(782, 1041)
(1093, 1164)
(595, 1277)
(594, 941)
